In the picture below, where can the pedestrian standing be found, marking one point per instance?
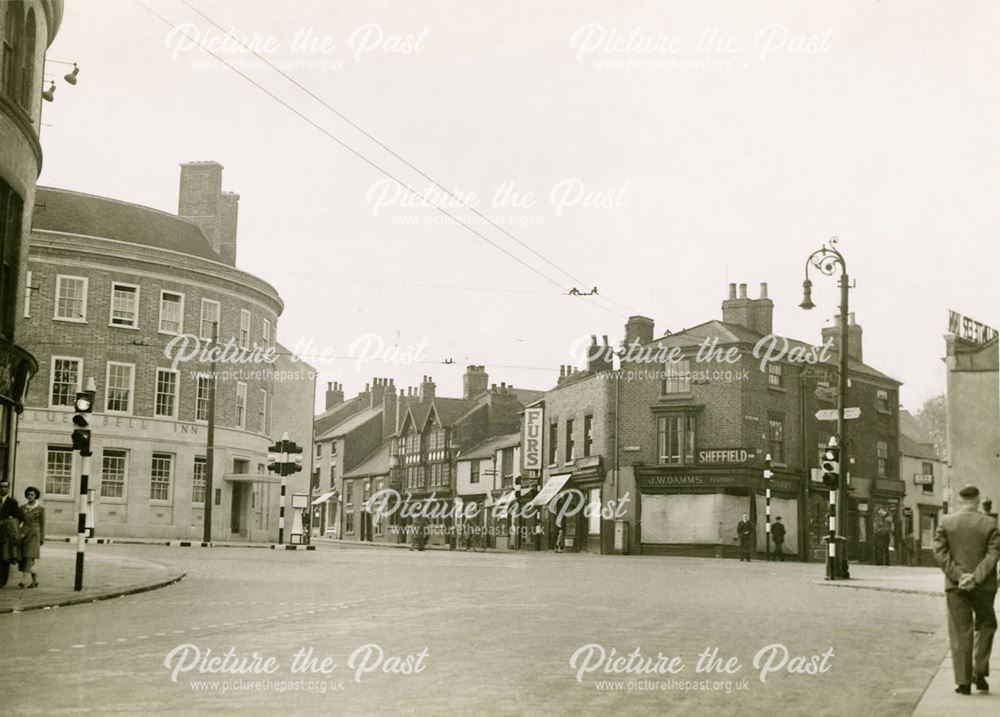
(538, 533)
(881, 542)
(967, 547)
(32, 535)
(560, 532)
(778, 535)
(744, 534)
(10, 532)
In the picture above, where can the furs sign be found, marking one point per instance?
(531, 442)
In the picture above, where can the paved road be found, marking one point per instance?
(477, 633)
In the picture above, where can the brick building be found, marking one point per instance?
(129, 296)
(26, 29)
(347, 433)
(675, 440)
(488, 475)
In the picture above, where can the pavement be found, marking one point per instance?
(104, 577)
(939, 697)
(506, 632)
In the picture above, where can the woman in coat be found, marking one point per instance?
(33, 534)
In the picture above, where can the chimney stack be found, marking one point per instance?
(757, 315)
(334, 394)
(475, 381)
(854, 337)
(427, 390)
(638, 328)
(599, 356)
(202, 202)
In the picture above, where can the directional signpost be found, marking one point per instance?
(830, 414)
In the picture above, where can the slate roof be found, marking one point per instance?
(490, 446)
(333, 416)
(355, 421)
(734, 333)
(90, 215)
(376, 464)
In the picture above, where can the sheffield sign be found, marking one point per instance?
(969, 329)
(718, 456)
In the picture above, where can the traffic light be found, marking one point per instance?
(768, 473)
(274, 458)
(284, 458)
(84, 407)
(831, 465)
(294, 464)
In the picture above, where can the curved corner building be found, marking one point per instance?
(129, 296)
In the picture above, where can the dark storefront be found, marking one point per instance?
(695, 511)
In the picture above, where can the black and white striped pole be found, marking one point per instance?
(84, 407)
(768, 474)
(831, 478)
(284, 458)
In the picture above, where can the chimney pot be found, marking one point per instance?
(732, 291)
(763, 289)
(743, 291)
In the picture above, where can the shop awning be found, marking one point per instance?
(552, 486)
(324, 498)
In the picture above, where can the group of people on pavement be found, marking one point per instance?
(745, 536)
(22, 533)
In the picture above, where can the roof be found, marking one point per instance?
(490, 446)
(90, 215)
(355, 421)
(376, 464)
(734, 333)
(913, 449)
(449, 410)
(333, 416)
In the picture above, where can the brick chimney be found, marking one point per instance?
(427, 389)
(475, 381)
(638, 328)
(390, 408)
(599, 356)
(854, 336)
(377, 393)
(202, 202)
(334, 394)
(754, 314)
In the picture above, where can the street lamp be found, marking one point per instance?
(827, 259)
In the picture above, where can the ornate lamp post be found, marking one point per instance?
(827, 259)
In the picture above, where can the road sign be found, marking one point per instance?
(830, 414)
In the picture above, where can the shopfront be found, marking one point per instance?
(696, 511)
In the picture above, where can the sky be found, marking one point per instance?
(656, 151)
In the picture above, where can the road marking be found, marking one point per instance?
(122, 639)
(100, 642)
(55, 649)
(78, 647)
(178, 632)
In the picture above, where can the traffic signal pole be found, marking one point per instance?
(206, 533)
(84, 407)
(282, 471)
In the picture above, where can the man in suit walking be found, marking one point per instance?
(9, 509)
(744, 532)
(967, 547)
